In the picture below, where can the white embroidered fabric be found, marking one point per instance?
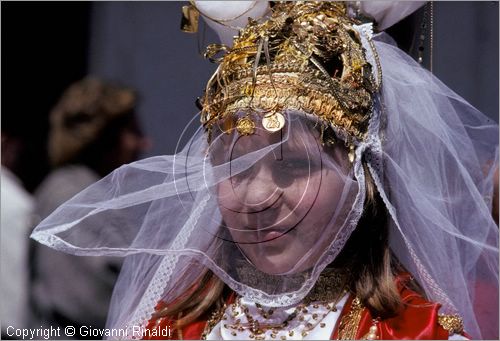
(314, 321)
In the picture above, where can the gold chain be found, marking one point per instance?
(258, 328)
(212, 321)
(327, 292)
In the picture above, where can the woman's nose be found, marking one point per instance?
(258, 191)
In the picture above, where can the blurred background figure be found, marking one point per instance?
(16, 217)
(93, 130)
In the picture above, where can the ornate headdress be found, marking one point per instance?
(293, 61)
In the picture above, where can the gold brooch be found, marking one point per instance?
(245, 126)
(452, 323)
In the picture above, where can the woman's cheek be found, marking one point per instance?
(226, 199)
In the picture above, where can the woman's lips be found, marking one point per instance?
(263, 233)
(271, 234)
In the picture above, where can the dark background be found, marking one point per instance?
(48, 45)
(44, 49)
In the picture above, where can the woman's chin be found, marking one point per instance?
(280, 264)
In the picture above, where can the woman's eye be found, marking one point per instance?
(240, 177)
(295, 166)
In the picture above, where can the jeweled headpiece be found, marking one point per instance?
(307, 56)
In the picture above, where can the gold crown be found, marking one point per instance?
(307, 56)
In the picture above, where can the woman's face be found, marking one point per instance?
(286, 209)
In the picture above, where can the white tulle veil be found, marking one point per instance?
(432, 157)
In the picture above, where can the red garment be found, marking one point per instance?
(417, 320)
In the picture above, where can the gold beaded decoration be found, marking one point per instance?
(349, 323)
(236, 318)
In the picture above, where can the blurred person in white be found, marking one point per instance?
(93, 130)
(16, 221)
(336, 189)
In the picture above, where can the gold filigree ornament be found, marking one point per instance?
(245, 126)
(307, 56)
(349, 323)
(452, 323)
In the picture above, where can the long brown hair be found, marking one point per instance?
(369, 259)
(366, 254)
